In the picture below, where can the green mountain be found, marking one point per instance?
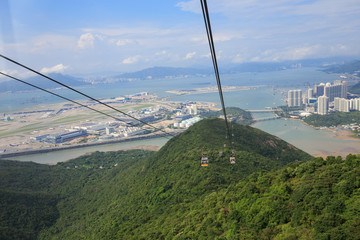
(15, 86)
(162, 72)
(238, 115)
(333, 119)
(165, 195)
(355, 89)
(350, 68)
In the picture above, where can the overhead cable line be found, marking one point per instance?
(78, 103)
(81, 93)
(65, 98)
(213, 56)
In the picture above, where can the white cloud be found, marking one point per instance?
(330, 13)
(251, 8)
(44, 43)
(123, 42)
(222, 38)
(133, 31)
(86, 40)
(100, 37)
(10, 72)
(255, 30)
(15, 73)
(190, 55)
(190, 6)
(206, 55)
(60, 68)
(292, 53)
(301, 52)
(131, 60)
(163, 52)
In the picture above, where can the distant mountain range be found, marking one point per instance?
(162, 72)
(14, 86)
(350, 68)
(174, 72)
(171, 72)
(355, 89)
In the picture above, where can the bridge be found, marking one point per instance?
(264, 110)
(266, 119)
(267, 110)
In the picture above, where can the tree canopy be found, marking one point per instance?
(274, 191)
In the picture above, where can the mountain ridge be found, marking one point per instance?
(141, 191)
(273, 191)
(15, 86)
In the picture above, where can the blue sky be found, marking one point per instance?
(85, 37)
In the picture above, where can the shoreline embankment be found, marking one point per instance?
(47, 150)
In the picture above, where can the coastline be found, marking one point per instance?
(345, 134)
(211, 89)
(130, 139)
(342, 134)
(335, 141)
(338, 133)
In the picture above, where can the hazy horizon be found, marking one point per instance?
(88, 37)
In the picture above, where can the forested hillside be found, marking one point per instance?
(30, 193)
(238, 115)
(273, 191)
(350, 68)
(355, 89)
(333, 119)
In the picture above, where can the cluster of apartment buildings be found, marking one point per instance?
(324, 98)
(186, 116)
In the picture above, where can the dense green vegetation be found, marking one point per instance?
(314, 200)
(267, 194)
(30, 192)
(333, 119)
(350, 68)
(239, 116)
(286, 111)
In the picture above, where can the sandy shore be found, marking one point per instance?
(146, 147)
(346, 135)
(324, 155)
(353, 147)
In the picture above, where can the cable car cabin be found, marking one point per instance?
(220, 154)
(204, 161)
(232, 160)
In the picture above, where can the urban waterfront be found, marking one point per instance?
(315, 142)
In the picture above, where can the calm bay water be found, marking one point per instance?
(311, 140)
(304, 137)
(64, 155)
(293, 78)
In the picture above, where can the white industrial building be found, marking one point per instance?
(187, 123)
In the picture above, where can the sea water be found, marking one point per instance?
(271, 91)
